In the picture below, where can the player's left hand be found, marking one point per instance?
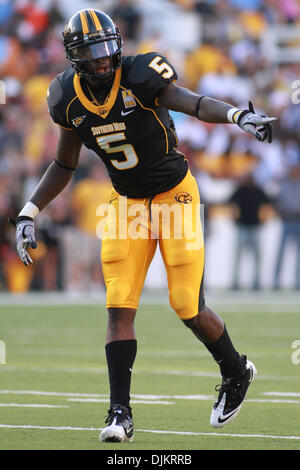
(259, 125)
(25, 237)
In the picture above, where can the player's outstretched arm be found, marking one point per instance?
(210, 110)
(52, 183)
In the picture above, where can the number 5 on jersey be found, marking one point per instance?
(128, 150)
(162, 68)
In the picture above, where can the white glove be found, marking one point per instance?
(25, 237)
(258, 125)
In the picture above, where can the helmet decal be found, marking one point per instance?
(96, 20)
(84, 22)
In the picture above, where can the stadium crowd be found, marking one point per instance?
(248, 182)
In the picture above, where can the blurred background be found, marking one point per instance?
(232, 50)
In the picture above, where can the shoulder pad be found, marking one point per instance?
(145, 66)
(60, 89)
(59, 93)
(55, 92)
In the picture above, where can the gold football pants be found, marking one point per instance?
(134, 228)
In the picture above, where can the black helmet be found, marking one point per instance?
(91, 35)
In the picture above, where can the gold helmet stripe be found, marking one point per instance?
(95, 20)
(84, 22)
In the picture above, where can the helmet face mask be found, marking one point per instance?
(93, 45)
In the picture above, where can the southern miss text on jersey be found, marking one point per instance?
(133, 135)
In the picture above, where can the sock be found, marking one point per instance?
(225, 355)
(120, 356)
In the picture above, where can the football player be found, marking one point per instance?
(118, 107)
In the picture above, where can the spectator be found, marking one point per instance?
(247, 201)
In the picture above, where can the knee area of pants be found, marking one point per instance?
(118, 291)
(181, 299)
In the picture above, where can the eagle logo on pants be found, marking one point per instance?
(183, 198)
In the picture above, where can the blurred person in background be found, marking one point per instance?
(288, 206)
(247, 203)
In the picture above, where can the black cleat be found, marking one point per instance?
(120, 426)
(232, 393)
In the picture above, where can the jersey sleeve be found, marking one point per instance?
(150, 73)
(56, 104)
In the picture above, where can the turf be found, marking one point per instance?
(56, 354)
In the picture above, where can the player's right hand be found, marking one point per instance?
(25, 237)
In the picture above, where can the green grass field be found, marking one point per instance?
(54, 386)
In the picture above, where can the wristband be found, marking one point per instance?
(233, 115)
(198, 106)
(29, 210)
(63, 166)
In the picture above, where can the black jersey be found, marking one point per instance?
(131, 133)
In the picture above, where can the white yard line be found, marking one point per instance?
(261, 400)
(215, 434)
(141, 398)
(152, 431)
(51, 394)
(133, 402)
(282, 394)
(159, 402)
(32, 405)
(183, 373)
(295, 378)
(96, 395)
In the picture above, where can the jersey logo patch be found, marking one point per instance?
(77, 121)
(128, 99)
(183, 198)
